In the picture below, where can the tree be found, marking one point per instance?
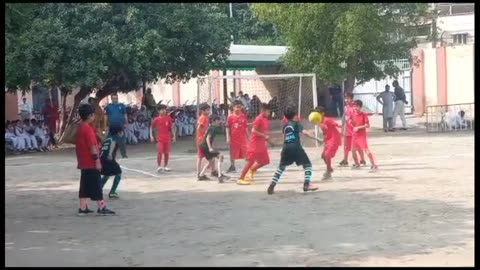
(110, 47)
(355, 41)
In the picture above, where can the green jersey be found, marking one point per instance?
(291, 133)
(212, 131)
(109, 148)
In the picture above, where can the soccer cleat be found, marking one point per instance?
(356, 166)
(363, 162)
(223, 178)
(166, 169)
(344, 163)
(203, 178)
(215, 173)
(159, 169)
(270, 189)
(105, 212)
(327, 175)
(84, 212)
(374, 168)
(231, 169)
(113, 196)
(250, 175)
(243, 182)
(309, 187)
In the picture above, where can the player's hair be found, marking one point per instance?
(349, 95)
(359, 103)
(264, 107)
(204, 107)
(461, 113)
(114, 94)
(236, 102)
(115, 130)
(84, 111)
(320, 109)
(215, 118)
(162, 107)
(290, 112)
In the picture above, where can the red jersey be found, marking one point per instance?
(295, 118)
(349, 111)
(237, 124)
(261, 124)
(84, 139)
(202, 126)
(360, 119)
(163, 125)
(331, 135)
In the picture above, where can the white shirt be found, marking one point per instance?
(25, 108)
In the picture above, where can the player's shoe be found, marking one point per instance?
(243, 182)
(215, 173)
(159, 169)
(231, 169)
(355, 166)
(166, 169)
(203, 178)
(270, 189)
(344, 163)
(223, 178)
(327, 175)
(309, 187)
(105, 212)
(250, 175)
(84, 212)
(363, 163)
(374, 168)
(113, 196)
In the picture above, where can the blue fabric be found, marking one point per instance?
(116, 113)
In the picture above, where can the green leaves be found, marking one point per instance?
(113, 46)
(339, 40)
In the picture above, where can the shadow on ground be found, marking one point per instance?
(229, 228)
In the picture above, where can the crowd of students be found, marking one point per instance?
(28, 135)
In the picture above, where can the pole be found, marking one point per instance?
(300, 97)
(230, 5)
(315, 103)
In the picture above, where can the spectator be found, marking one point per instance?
(21, 133)
(141, 128)
(17, 143)
(337, 100)
(255, 105)
(232, 97)
(386, 98)
(40, 134)
(149, 102)
(130, 136)
(25, 109)
(116, 114)
(99, 122)
(457, 120)
(273, 105)
(400, 101)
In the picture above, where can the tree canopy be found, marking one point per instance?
(341, 41)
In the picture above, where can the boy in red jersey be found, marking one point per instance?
(349, 110)
(332, 140)
(162, 125)
(257, 152)
(87, 152)
(202, 126)
(359, 137)
(236, 134)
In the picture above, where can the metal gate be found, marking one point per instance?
(368, 91)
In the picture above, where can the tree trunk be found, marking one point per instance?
(144, 89)
(84, 91)
(349, 84)
(64, 116)
(225, 90)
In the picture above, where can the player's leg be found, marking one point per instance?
(113, 191)
(83, 195)
(347, 147)
(166, 155)
(308, 176)
(159, 156)
(104, 180)
(261, 159)
(250, 161)
(371, 158)
(355, 154)
(95, 192)
(233, 155)
(276, 177)
(362, 157)
(328, 163)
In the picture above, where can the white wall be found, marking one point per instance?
(457, 23)
(460, 74)
(430, 72)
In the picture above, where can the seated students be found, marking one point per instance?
(41, 135)
(21, 132)
(18, 143)
(141, 128)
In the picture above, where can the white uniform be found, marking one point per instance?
(18, 144)
(130, 133)
(30, 140)
(41, 133)
(142, 129)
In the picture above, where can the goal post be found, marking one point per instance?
(277, 90)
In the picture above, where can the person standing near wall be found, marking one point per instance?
(116, 114)
(386, 98)
(400, 101)
(149, 103)
(337, 100)
(25, 109)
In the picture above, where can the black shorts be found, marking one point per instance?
(294, 153)
(110, 168)
(209, 155)
(90, 184)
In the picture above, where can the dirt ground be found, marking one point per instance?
(417, 210)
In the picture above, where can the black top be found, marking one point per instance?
(400, 94)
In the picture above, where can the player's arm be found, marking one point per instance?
(92, 144)
(152, 129)
(259, 133)
(209, 142)
(227, 131)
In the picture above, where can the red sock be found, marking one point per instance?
(167, 156)
(328, 162)
(345, 154)
(370, 156)
(355, 157)
(257, 166)
(247, 166)
(362, 156)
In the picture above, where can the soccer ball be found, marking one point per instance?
(315, 118)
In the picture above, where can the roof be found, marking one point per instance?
(254, 55)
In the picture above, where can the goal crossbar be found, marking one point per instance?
(270, 76)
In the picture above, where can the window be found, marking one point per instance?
(460, 39)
